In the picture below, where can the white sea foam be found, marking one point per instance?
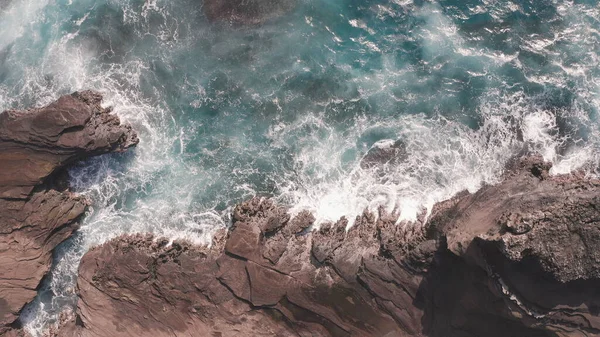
(445, 157)
(17, 17)
(168, 208)
(157, 187)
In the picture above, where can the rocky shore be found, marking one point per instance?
(37, 210)
(519, 258)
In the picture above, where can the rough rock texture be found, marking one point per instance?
(537, 239)
(247, 12)
(37, 212)
(516, 259)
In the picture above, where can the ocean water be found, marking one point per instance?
(288, 108)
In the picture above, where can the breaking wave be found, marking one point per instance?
(289, 109)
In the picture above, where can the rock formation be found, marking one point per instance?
(37, 211)
(386, 152)
(516, 259)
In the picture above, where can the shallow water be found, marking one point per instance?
(288, 108)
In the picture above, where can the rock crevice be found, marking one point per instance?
(485, 264)
(520, 258)
(37, 211)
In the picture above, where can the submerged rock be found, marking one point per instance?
(37, 212)
(385, 152)
(246, 11)
(515, 259)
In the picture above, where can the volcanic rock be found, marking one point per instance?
(37, 212)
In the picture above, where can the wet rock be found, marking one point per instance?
(532, 240)
(553, 221)
(37, 212)
(384, 152)
(247, 12)
(39, 142)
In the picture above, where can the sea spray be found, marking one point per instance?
(288, 109)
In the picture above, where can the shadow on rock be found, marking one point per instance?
(485, 264)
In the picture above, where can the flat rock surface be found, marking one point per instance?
(485, 264)
(37, 212)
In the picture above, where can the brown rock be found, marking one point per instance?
(234, 276)
(36, 211)
(244, 241)
(300, 223)
(39, 142)
(487, 264)
(168, 292)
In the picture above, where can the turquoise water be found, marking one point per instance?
(288, 108)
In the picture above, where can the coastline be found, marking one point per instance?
(488, 263)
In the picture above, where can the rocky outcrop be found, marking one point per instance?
(535, 240)
(37, 212)
(515, 259)
(387, 152)
(246, 12)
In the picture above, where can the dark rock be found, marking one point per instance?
(387, 152)
(37, 212)
(248, 12)
(533, 241)
(554, 221)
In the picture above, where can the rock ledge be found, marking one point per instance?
(516, 259)
(37, 211)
